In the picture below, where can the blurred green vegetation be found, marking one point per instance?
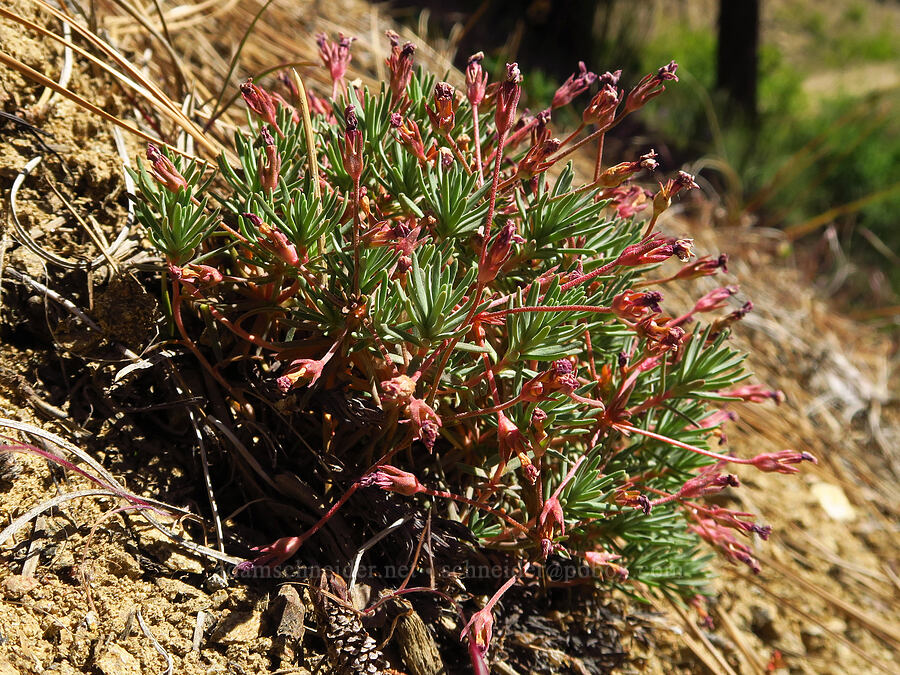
(807, 152)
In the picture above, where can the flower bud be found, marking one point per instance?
(407, 132)
(650, 87)
(261, 103)
(602, 561)
(704, 266)
(269, 166)
(274, 241)
(164, 171)
(755, 393)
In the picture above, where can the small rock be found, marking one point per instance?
(116, 660)
(175, 589)
(238, 628)
(813, 639)
(124, 565)
(6, 668)
(17, 586)
(834, 502)
(762, 623)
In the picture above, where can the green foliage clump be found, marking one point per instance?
(408, 248)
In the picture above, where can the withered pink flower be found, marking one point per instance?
(635, 305)
(722, 538)
(715, 299)
(399, 65)
(407, 132)
(425, 422)
(755, 393)
(628, 200)
(261, 103)
(164, 171)
(508, 94)
(510, 440)
(499, 252)
(577, 84)
(476, 79)
(274, 240)
(444, 114)
(663, 198)
(650, 87)
(704, 266)
(536, 159)
(352, 150)
(601, 111)
(780, 462)
(269, 166)
(336, 57)
(392, 479)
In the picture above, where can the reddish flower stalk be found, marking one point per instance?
(769, 462)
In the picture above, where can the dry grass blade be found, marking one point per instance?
(738, 638)
(41, 79)
(723, 666)
(162, 101)
(784, 602)
(876, 625)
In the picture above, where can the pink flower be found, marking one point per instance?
(780, 461)
(409, 136)
(510, 439)
(392, 479)
(535, 160)
(476, 79)
(399, 64)
(164, 171)
(508, 98)
(301, 371)
(480, 629)
(352, 150)
(572, 87)
(336, 57)
(602, 561)
(755, 393)
(715, 299)
(635, 305)
(425, 421)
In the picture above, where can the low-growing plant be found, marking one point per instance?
(426, 250)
